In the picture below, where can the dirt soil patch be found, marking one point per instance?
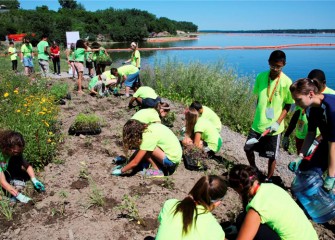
(65, 210)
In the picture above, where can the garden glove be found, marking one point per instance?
(274, 127)
(117, 171)
(285, 143)
(312, 147)
(294, 165)
(329, 182)
(123, 63)
(38, 185)
(22, 198)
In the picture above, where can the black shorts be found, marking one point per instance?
(89, 64)
(268, 146)
(150, 102)
(15, 171)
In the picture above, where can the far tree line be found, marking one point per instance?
(116, 24)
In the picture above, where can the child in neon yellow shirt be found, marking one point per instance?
(13, 56)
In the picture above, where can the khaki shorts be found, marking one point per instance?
(79, 66)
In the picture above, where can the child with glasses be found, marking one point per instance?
(192, 218)
(14, 169)
(273, 103)
(270, 212)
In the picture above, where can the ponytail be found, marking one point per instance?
(191, 118)
(305, 85)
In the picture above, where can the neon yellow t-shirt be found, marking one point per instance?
(145, 92)
(127, 70)
(106, 75)
(281, 213)
(40, 50)
(209, 134)
(13, 53)
(171, 226)
(79, 55)
(212, 117)
(147, 116)
(328, 90)
(134, 57)
(281, 96)
(27, 50)
(88, 54)
(158, 135)
(92, 83)
(3, 162)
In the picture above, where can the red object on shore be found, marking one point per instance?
(17, 37)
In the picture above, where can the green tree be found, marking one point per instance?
(10, 4)
(69, 4)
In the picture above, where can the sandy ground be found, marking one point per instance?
(82, 169)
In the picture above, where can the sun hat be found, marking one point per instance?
(133, 44)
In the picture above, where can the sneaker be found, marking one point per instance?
(152, 173)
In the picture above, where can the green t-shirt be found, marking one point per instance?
(147, 116)
(171, 226)
(281, 96)
(127, 70)
(27, 50)
(3, 162)
(88, 55)
(106, 75)
(158, 135)
(40, 50)
(134, 56)
(13, 53)
(281, 213)
(79, 55)
(209, 134)
(212, 117)
(145, 92)
(92, 83)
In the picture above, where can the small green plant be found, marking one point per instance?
(59, 90)
(129, 208)
(169, 119)
(96, 196)
(168, 183)
(104, 59)
(63, 194)
(86, 122)
(6, 209)
(83, 173)
(58, 161)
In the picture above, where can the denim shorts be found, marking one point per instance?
(131, 78)
(167, 162)
(28, 62)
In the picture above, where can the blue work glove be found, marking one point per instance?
(285, 143)
(38, 185)
(123, 63)
(22, 198)
(294, 165)
(312, 147)
(329, 182)
(117, 171)
(274, 127)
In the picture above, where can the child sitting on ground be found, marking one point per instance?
(155, 144)
(191, 218)
(100, 84)
(144, 96)
(152, 115)
(201, 132)
(14, 169)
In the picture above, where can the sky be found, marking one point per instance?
(222, 14)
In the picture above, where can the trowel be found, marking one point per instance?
(255, 140)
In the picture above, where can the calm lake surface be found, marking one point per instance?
(300, 60)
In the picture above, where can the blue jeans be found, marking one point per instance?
(28, 62)
(131, 78)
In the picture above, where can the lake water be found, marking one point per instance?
(300, 60)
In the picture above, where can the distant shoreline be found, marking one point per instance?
(302, 31)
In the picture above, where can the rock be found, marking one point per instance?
(71, 236)
(82, 136)
(17, 231)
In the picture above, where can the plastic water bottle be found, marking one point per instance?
(319, 204)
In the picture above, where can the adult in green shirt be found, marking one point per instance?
(27, 56)
(274, 100)
(271, 213)
(13, 56)
(127, 74)
(145, 96)
(206, 112)
(156, 144)
(14, 169)
(192, 218)
(43, 55)
(135, 58)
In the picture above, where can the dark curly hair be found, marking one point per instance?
(132, 134)
(241, 178)
(10, 139)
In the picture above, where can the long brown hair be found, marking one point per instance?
(10, 139)
(162, 106)
(191, 117)
(241, 179)
(206, 190)
(132, 134)
(305, 85)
